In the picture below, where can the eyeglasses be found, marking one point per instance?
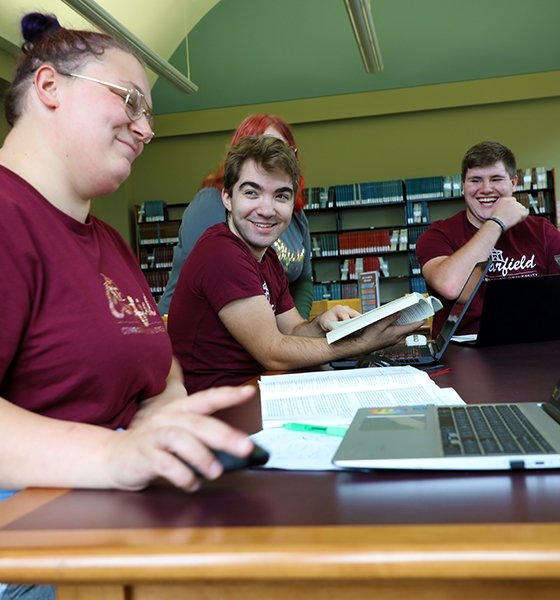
(135, 102)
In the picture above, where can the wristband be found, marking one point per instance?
(499, 222)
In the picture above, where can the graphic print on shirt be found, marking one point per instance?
(267, 296)
(505, 266)
(287, 256)
(132, 310)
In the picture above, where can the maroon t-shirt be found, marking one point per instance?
(80, 336)
(219, 270)
(526, 250)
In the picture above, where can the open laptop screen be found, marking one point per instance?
(462, 303)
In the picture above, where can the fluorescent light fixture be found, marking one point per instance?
(359, 12)
(101, 18)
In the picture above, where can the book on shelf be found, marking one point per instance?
(369, 290)
(319, 197)
(542, 178)
(413, 234)
(153, 211)
(424, 188)
(370, 240)
(412, 307)
(418, 284)
(333, 397)
(414, 265)
(403, 239)
(457, 185)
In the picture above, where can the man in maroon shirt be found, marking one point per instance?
(494, 224)
(232, 316)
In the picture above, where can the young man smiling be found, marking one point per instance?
(232, 316)
(494, 225)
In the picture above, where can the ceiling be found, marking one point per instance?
(242, 52)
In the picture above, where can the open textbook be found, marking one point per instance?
(332, 398)
(413, 307)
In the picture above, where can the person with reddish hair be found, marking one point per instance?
(206, 209)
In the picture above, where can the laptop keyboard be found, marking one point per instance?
(493, 429)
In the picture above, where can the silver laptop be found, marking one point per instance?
(475, 436)
(432, 351)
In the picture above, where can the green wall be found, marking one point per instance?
(7, 63)
(361, 137)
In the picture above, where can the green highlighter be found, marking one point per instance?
(325, 430)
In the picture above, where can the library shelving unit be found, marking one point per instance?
(374, 226)
(157, 228)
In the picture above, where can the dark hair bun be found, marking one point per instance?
(36, 25)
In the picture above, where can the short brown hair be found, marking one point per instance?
(485, 154)
(267, 152)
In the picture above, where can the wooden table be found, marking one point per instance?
(289, 535)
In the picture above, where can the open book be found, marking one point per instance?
(413, 307)
(333, 397)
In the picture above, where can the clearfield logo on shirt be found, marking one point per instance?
(122, 307)
(507, 264)
(267, 295)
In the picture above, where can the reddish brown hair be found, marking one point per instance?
(252, 126)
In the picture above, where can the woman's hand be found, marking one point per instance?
(170, 437)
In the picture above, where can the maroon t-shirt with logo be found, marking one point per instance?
(80, 336)
(219, 270)
(526, 250)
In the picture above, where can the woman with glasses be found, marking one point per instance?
(206, 209)
(90, 396)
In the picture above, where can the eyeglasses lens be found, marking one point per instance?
(136, 107)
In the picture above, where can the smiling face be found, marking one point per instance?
(260, 206)
(95, 121)
(482, 187)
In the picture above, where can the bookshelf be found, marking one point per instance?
(157, 230)
(362, 227)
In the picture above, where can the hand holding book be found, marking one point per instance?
(412, 307)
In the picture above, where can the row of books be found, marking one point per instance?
(157, 280)
(352, 268)
(366, 288)
(408, 190)
(425, 188)
(369, 193)
(537, 202)
(413, 234)
(371, 240)
(152, 211)
(318, 197)
(158, 233)
(158, 257)
(417, 212)
(418, 284)
(414, 265)
(335, 290)
(361, 242)
(532, 179)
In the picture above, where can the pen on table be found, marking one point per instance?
(441, 372)
(325, 430)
